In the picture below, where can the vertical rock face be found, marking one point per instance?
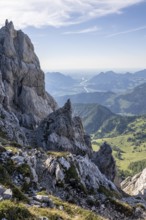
(59, 131)
(22, 85)
(105, 161)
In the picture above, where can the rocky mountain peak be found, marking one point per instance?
(22, 79)
(61, 132)
(10, 27)
(68, 106)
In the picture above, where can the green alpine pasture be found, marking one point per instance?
(129, 147)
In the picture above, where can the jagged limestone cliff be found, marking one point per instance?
(22, 80)
(61, 132)
(23, 99)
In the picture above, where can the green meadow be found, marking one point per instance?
(128, 147)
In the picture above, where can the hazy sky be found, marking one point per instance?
(80, 34)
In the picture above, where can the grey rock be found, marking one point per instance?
(37, 105)
(64, 162)
(82, 174)
(44, 200)
(18, 159)
(105, 161)
(8, 194)
(2, 189)
(135, 185)
(59, 173)
(61, 208)
(2, 89)
(34, 202)
(43, 218)
(10, 127)
(27, 180)
(60, 132)
(30, 159)
(22, 86)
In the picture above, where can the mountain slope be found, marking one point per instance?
(117, 82)
(133, 102)
(127, 136)
(57, 83)
(102, 98)
(92, 115)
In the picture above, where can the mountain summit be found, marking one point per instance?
(22, 80)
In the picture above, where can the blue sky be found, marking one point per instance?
(82, 34)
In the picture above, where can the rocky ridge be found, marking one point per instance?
(32, 176)
(44, 151)
(21, 79)
(61, 132)
(135, 185)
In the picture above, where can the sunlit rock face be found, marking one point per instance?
(22, 83)
(61, 132)
(135, 185)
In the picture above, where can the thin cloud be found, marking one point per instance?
(83, 31)
(58, 13)
(127, 31)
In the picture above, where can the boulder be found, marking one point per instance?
(5, 193)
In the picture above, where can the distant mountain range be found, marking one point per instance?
(132, 103)
(116, 82)
(101, 121)
(59, 84)
(102, 98)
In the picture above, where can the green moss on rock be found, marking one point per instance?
(4, 175)
(71, 173)
(58, 154)
(122, 207)
(108, 193)
(3, 134)
(10, 166)
(18, 194)
(75, 212)
(25, 170)
(6, 181)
